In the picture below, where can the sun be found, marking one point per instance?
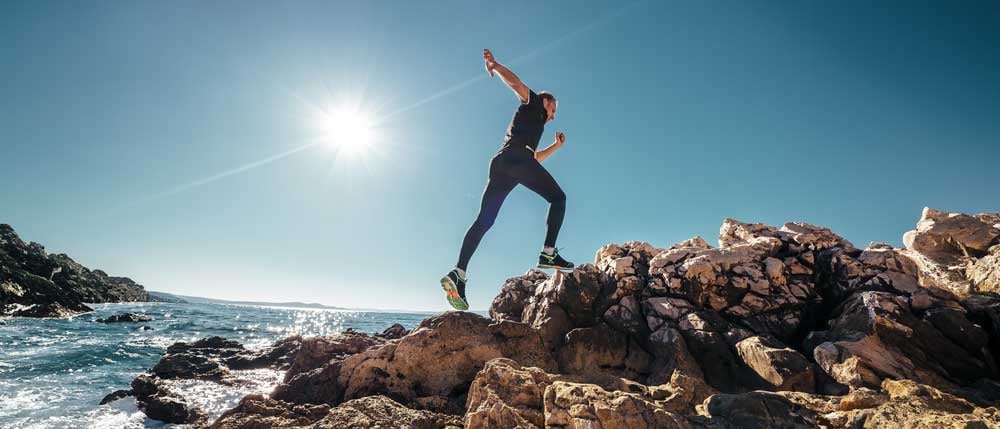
(350, 130)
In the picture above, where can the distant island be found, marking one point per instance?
(175, 298)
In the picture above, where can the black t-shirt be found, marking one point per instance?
(526, 127)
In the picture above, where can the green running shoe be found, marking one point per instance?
(553, 261)
(454, 289)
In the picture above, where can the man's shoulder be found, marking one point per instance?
(533, 100)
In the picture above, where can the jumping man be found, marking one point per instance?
(517, 162)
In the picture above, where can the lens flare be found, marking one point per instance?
(349, 130)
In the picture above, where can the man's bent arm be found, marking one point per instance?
(540, 155)
(506, 75)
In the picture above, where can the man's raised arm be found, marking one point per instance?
(506, 75)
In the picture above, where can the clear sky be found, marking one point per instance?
(167, 141)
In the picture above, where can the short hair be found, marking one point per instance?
(545, 95)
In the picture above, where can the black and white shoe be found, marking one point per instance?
(553, 261)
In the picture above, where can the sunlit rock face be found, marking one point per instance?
(789, 326)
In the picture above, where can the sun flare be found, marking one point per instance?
(349, 130)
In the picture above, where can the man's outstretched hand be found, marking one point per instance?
(490, 61)
(560, 138)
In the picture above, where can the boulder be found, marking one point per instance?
(585, 406)
(758, 410)
(314, 352)
(945, 237)
(874, 335)
(431, 368)
(915, 406)
(514, 295)
(126, 318)
(984, 273)
(393, 332)
(257, 411)
(601, 349)
(159, 403)
(781, 367)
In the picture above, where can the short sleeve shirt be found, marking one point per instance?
(526, 127)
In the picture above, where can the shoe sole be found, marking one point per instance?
(449, 286)
(546, 266)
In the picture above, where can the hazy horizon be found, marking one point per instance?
(175, 143)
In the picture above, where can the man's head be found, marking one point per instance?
(549, 101)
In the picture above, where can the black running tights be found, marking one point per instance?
(510, 167)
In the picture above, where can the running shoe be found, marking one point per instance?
(553, 261)
(454, 289)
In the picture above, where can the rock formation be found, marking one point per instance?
(789, 326)
(125, 318)
(34, 283)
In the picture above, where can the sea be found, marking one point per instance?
(54, 372)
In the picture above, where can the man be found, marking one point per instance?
(517, 162)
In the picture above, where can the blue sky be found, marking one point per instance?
(165, 141)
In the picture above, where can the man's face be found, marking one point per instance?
(550, 108)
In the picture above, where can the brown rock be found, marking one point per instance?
(602, 349)
(875, 336)
(585, 406)
(943, 236)
(984, 273)
(781, 367)
(431, 367)
(372, 412)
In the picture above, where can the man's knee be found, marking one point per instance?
(558, 197)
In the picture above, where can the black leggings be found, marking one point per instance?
(510, 167)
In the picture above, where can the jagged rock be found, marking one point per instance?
(430, 368)
(278, 355)
(126, 318)
(879, 267)
(314, 352)
(208, 359)
(514, 295)
(915, 406)
(781, 367)
(584, 406)
(758, 410)
(372, 412)
(984, 273)
(34, 283)
(562, 302)
(393, 332)
(711, 340)
(600, 349)
(259, 411)
(116, 395)
(944, 237)
(506, 395)
(628, 265)
(874, 336)
(749, 278)
(161, 404)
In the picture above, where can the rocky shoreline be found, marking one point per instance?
(34, 283)
(776, 327)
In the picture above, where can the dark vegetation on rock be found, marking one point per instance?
(776, 327)
(34, 283)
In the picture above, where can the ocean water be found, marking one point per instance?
(54, 372)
